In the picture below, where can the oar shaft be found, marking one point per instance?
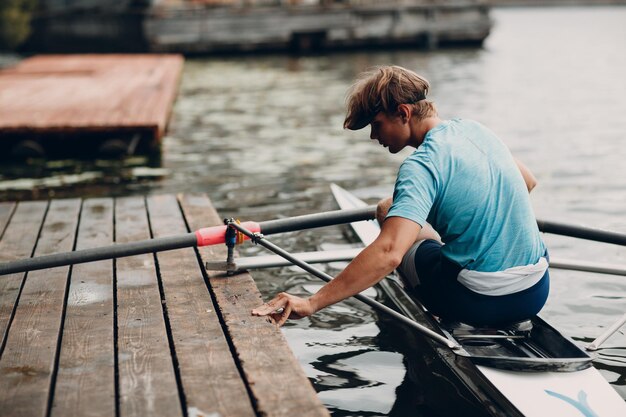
(272, 261)
(119, 250)
(309, 221)
(372, 303)
(588, 267)
(582, 232)
(595, 345)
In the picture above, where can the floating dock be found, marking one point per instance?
(208, 26)
(148, 335)
(72, 105)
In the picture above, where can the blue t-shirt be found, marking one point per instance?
(464, 181)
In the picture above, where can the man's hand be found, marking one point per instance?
(529, 178)
(285, 306)
(382, 208)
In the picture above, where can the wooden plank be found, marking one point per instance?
(18, 241)
(27, 365)
(6, 210)
(209, 375)
(147, 381)
(274, 376)
(85, 384)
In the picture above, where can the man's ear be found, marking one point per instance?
(404, 111)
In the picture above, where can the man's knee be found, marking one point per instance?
(382, 208)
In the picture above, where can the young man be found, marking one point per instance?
(486, 263)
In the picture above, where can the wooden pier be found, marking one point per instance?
(209, 26)
(148, 335)
(215, 26)
(62, 105)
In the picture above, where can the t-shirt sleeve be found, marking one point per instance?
(414, 192)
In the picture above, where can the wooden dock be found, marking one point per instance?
(209, 26)
(148, 335)
(60, 105)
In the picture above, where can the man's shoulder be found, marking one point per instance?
(458, 124)
(421, 155)
(419, 163)
(477, 127)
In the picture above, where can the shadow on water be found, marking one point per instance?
(36, 179)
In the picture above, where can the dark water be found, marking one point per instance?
(262, 137)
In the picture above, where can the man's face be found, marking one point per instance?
(390, 131)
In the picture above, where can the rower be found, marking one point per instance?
(483, 261)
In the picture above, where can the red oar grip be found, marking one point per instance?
(215, 235)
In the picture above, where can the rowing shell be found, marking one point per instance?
(526, 369)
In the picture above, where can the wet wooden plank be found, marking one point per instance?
(209, 375)
(109, 92)
(27, 364)
(6, 210)
(275, 378)
(147, 381)
(85, 384)
(18, 241)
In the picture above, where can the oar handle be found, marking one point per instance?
(582, 232)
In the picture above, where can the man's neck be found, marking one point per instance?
(424, 126)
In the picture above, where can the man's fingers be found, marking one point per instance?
(284, 315)
(281, 308)
(261, 310)
(268, 308)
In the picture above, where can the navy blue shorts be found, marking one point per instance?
(445, 297)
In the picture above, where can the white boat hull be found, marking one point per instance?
(576, 393)
(563, 394)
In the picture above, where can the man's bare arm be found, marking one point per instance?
(370, 266)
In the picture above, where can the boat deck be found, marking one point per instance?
(150, 334)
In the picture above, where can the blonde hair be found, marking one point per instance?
(383, 89)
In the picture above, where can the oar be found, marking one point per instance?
(594, 267)
(272, 261)
(202, 237)
(216, 235)
(582, 232)
(260, 239)
(595, 345)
